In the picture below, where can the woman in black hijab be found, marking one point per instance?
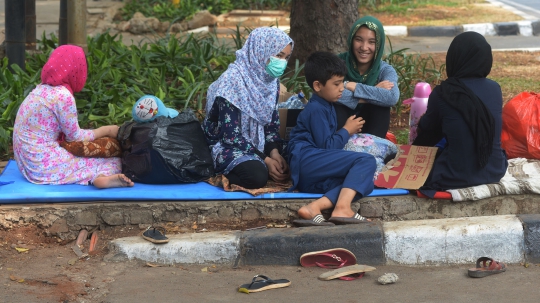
(466, 111)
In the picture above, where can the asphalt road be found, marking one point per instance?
(530, 7)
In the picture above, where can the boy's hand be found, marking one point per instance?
(354, 125)
(385, 84)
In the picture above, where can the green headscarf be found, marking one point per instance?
(371, 76)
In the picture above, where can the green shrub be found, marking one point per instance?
(411, 69)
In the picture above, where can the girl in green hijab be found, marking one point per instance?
(370, 84)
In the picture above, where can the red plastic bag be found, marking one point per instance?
(521, 130)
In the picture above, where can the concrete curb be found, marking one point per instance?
(523, 28)
(511, 239)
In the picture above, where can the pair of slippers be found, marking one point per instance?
(155, 235)
(343, 262)
(319, 220)
(486, 266)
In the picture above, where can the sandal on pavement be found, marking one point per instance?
(331, 258)
(347, 273)
(356, 219)
(154, 235)
(318, 220)
(264, 283)
(486, 266)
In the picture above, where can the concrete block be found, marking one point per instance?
(536, 27)
(201, 248)
(454, 241)
(531, 228)
(59, 226)
(173, 216)
(140, 217)
(85, 218)
(250, 214)
(226, 213)
(485, 29)
(371, 210)
(276, 214)
(113, 218)
(284, 247)
(401, 207)
(507, 28)
(435, 31)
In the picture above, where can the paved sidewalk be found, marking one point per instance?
(509, 239)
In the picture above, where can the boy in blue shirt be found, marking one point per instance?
(317, 160)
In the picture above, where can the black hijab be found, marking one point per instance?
(469, 56)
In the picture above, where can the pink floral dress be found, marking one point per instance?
(45, 113)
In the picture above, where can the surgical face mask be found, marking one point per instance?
(276, 67)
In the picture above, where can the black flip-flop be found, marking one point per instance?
(318, 220)
(154, 235)
(264, 283)
(356, 219)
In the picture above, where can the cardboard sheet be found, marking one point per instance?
(409, 169)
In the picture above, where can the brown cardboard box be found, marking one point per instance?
(287, 117)
(287, 120)
(409, 169)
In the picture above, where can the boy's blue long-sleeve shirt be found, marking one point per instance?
(316, 128)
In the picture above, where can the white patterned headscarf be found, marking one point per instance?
(248, 86)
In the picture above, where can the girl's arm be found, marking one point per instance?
(385, 93)
(66, 113)
(271, 133)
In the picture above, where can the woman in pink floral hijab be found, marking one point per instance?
(50, 110)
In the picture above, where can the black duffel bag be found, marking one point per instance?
(166, 150)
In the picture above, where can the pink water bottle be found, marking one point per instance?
(418, 107)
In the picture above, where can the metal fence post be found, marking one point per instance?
(15, 33)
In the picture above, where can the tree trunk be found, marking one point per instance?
(321, 25)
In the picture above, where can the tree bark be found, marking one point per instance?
(321, 25)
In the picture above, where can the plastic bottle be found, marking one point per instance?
(418, 107)
(295, 101)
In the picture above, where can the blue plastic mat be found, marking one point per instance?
(22, 191)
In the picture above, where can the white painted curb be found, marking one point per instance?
(199, 248)
(454, 241)
(395, 30)
(485, 29)
(525, 28)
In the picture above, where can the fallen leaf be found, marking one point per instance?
(194, 226)
(153, 265)
(20, 280)
(72, 261)
(204, 269)
(21, 250)
(13, 278)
